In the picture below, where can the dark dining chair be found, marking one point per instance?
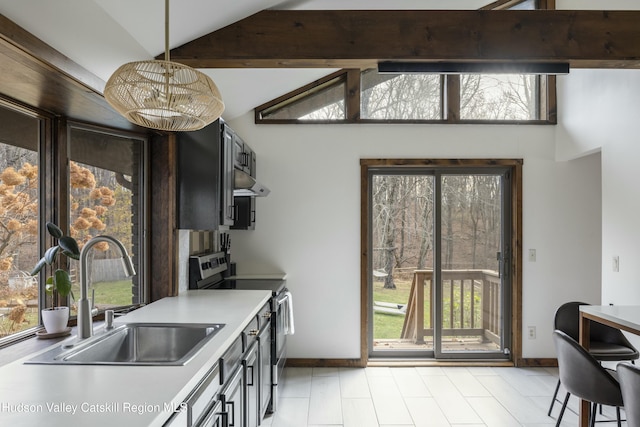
(584, 377)
(629, 377)
(606, 344)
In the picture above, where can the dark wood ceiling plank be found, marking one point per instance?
(353, 39)
(35, 74)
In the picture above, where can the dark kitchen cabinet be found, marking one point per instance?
(264, 357)
(206, 178)
(228, 209)
(232, 398)
(251, 366)
(199, 180)
(245, 206)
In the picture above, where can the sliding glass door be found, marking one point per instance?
(439, 244)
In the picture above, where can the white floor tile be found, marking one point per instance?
(388, 401)
(452, 403)
(420, 397)
(410, 383)
(426, 412)
(296, 382)
(467, 384)
(492, 412)
(292, 412)
(521, 407)
(325, 404)
(353, 383)
(325, 372)
(359, 413)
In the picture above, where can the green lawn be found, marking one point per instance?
(111, 294)
(388, 326)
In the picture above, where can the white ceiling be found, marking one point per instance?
(101, 35)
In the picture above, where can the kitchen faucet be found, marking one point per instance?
(85, 317)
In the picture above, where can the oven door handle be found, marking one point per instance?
(282, 300)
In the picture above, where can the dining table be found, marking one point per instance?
(624, 317)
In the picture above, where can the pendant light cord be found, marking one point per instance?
(166, 30)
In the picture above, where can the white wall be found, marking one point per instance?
(603, 110)
(309, 226)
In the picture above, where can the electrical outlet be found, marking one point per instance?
(532, 332)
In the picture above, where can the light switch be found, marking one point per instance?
(616, 264)
(532, 255)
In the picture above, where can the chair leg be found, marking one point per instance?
(553, 400)
(618, 415)
(564, 406)
(594, 407)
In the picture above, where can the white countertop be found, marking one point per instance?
(627, 316)
(273, 276)
(38, 395)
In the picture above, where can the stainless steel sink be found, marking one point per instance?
(139, 344)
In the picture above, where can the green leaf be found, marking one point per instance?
(39, 266)
(69, 246)
(62, 282)
(50, 254)
(54, 230)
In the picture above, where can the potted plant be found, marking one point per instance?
(55, 319)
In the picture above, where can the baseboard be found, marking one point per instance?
(358, 363)
(325, 363)
(537, 363)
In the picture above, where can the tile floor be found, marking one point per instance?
(421, 396)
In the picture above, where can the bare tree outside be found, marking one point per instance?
(499, 97)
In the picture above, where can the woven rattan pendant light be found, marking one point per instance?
(164, 95)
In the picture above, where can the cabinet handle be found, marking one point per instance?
(232, 414)
(253, 216)
(267, 315)
(253, 332)
(250, 377)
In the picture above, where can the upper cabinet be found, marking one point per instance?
(199, 178)
(213, 163)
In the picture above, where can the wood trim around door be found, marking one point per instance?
(516, 243)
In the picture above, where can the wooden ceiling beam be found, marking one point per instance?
(359, 39)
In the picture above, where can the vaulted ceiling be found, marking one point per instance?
(101, 35)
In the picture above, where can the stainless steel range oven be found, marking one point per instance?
(209, 271)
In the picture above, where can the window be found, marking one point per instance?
(400, 96)
(106, 196)
(512, 97)
(19, 211)
(416, 98)
(324, 101)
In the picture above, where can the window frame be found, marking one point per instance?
(450, 98)
(53, 194)
(143, 199)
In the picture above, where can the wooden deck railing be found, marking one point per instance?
(470, 305)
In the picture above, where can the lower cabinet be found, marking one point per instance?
(266, 368)
(236, 391)
(251, 368)
(214, 417)
(232, 398)
(202, 407)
